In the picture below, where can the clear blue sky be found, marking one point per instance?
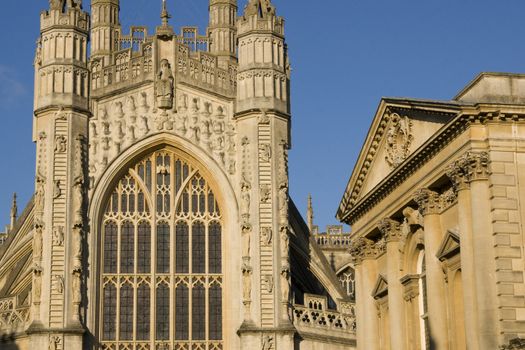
(345, 55)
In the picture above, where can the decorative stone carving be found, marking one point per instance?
(164, 86)
(54, 342)
(267, 283)
(265, 193)
(514, 344)
(469, 167)
(78, 185)
(428, 201)
(266, 235)
(363, 248)
(398, 140)
(247, 281)
(265, 152)
(56, 4)
(57, 192)
(264, 118)
(60, 144)
(58, 284)
(267, 342)
(390, 229)
(37, 284)
(285, 242)
(285, 283)
(76, 284)
(58, 236)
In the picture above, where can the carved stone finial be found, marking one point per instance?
(390, 229)
(428, 201)
(164, 15)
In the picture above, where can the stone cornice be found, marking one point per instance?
(352, 208)
(471, 166)
(391, 230)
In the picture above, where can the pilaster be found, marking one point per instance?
(391, 231)
(428, 202)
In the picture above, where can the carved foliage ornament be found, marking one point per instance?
(514, 344)
(471, 166)
(363, 248)
(398, 140)
(390, 229)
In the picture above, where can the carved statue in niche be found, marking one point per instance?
(265, 193)
(205, 122)
(265, 151)
(60, 144)
(267, 282)
(283, 204)
(285, 242)
(245, 198)
(58, 236)
(57, 192)
(247, 282)
(142, 126)
(76, 283)
(193, 131)
(398, 140)
(266, 235)
(37, 284)
(164, 86)
(77, 243)
(40, 193)
(264, 118)
(56, 4)
(118, 110)
(131, 108)
(246, 242)
(285, 283)
(143, 102)
(267, 343)
(59, 284)
(38, 244)
(78, 185)
(54, 342)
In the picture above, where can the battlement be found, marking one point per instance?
(57, 19)
(134, 62)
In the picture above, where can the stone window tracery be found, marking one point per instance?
(162, 259)
(347, 279)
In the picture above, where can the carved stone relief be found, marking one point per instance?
(60, 144)
(58, 236)
(267, 342)
(58, 284)
(265, 193)
(398, 140)
(266, 235)
(267, 284)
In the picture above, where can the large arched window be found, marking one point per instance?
(161, 284)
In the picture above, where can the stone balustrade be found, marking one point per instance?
(332, 241)
(325, 322)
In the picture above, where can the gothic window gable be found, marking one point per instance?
(161, 283)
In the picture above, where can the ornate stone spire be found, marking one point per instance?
(310, 213)
(164, 15)
(14, 211)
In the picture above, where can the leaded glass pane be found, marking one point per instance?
(144, 248)
(182, 313)
(215, 248)
(126, 312)
(198, 248)
(143, 312)
(110, 312)
(198, 313)
(163, 312)
(127, 248)
(163, 248)
(215, 313)
(182, 248)
(110, 247)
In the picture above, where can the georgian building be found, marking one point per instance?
(436, 204)
(161, 218)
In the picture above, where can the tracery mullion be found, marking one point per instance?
(153, 197)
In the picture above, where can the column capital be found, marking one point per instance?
(366, 249)
(391, 229)
(428, 201)
(471, 166)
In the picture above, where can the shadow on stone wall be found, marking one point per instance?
(7, 342)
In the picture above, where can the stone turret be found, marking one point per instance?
(263, 79)
(222, 31)
(60, 132)
(264, 123)
(105, 28)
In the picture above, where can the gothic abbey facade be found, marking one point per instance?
(161, 218)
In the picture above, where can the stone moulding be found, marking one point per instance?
(351, 209)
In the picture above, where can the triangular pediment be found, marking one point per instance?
(449, 246)
(399, 129)
(381, 288)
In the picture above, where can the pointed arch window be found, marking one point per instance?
(161, 279)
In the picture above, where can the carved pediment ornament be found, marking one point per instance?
(398, 140)
(469, 167)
